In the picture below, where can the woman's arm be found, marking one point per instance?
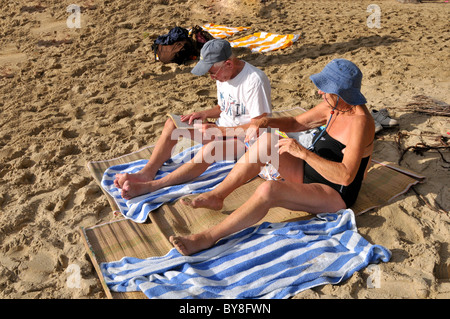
(234, 131)
(342, 173)
(312, 118)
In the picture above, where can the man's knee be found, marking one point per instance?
(268, 191)
(169, 125)
(172, 134)
(266, 148)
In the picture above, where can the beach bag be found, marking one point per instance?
(200, 37)
(180, 45)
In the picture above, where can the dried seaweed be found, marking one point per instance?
(428, 105)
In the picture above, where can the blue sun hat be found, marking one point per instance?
(343, 78)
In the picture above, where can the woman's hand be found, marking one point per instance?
(251, 133)
(291, 146)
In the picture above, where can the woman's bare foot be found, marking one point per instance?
(189, 245)
(133, 189)
(205, 200)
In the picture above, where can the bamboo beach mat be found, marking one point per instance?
(124, 238)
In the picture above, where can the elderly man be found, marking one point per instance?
(243, 93)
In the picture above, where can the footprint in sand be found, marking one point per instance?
(32, 9)
(205, 93)
(10, 59)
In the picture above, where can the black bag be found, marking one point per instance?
(200, 37)
(178, 46)
(173, 47)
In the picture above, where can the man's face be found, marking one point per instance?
(221, 71)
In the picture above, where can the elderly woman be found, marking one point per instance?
(324, 178)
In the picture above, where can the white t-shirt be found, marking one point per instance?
(244, 97)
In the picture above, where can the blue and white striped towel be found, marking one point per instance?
(269, 261)
(138, 208)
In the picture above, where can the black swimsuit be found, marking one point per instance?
(331, 149)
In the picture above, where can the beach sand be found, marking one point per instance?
(70, 95)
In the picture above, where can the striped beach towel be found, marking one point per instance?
(138, 208)
(272, 260)
(221, 31)
(265, 42)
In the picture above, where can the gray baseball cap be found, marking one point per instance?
(213, 51)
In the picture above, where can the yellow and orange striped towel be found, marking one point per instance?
(221, 31)
(257, 42)
(265, 42)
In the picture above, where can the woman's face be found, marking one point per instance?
(331, 99)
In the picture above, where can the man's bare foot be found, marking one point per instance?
(189, 245)
(121, 178)
(133, 189)
(205, 200)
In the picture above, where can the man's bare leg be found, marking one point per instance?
(161, 153)
(231, 149)
(185, 173)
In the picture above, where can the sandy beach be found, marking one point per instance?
(71, 95)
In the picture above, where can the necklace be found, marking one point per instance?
(332, 111)
(335, 107)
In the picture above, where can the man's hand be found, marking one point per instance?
(193, 116)
(251, 133)
(209, 130)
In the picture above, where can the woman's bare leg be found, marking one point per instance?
(245, 169)
(313, 198)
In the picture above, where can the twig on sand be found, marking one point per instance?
(420, 148)
(428, 204)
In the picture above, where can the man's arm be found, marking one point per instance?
(202, 115)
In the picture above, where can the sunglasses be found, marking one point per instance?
(215, 74)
